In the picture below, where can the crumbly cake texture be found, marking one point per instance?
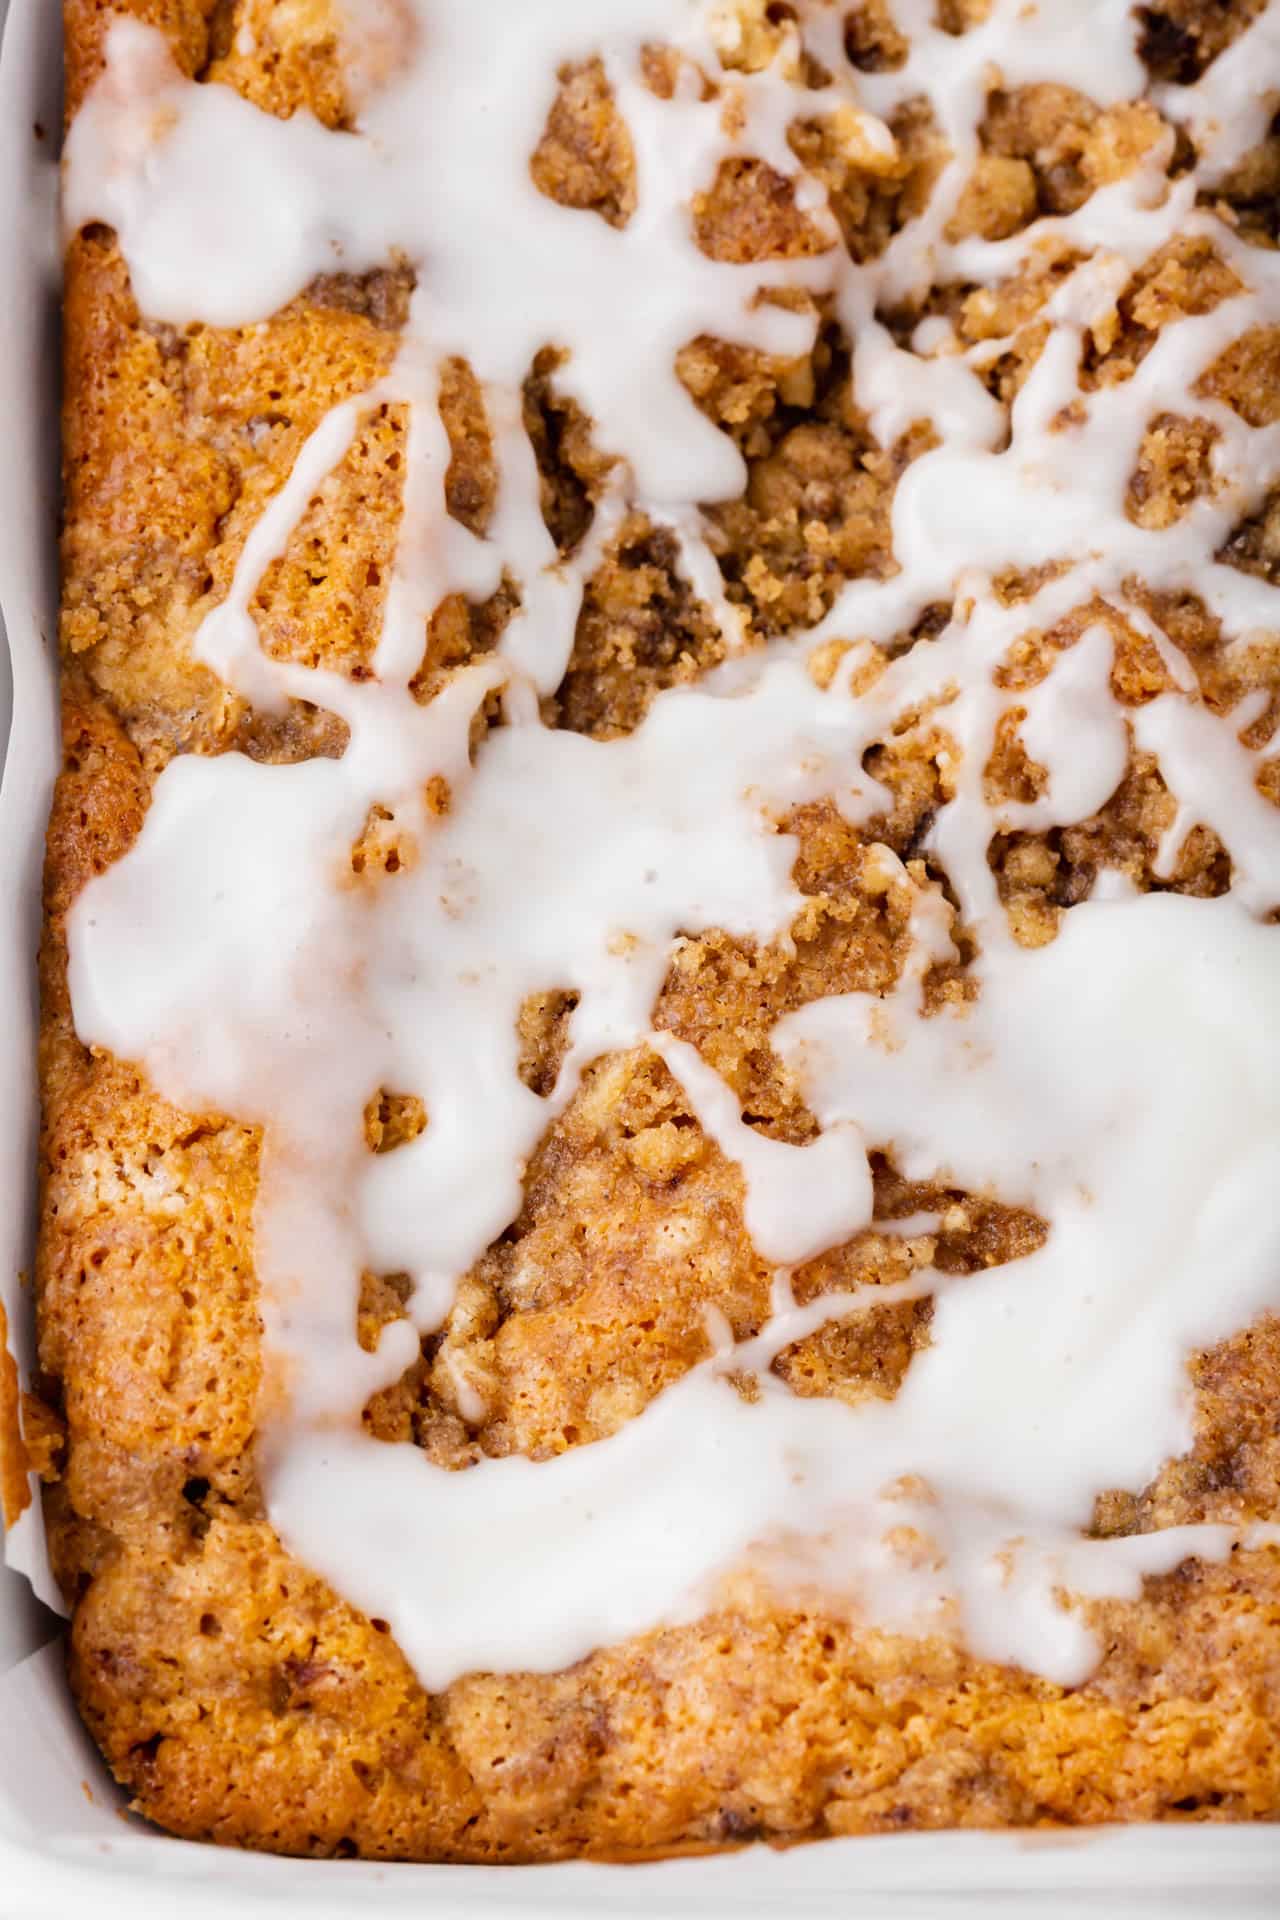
(234, 1694)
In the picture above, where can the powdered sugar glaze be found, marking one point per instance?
(1103, 1081)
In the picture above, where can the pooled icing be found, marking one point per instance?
(1105, 1081)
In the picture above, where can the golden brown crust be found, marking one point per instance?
(15, 1465)
(234, 1694)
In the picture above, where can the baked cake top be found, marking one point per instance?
(343, 950)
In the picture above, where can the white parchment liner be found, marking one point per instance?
(65, 1845)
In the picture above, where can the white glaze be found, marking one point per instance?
(1104, 1082)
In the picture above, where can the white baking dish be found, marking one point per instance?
(65, 1842)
